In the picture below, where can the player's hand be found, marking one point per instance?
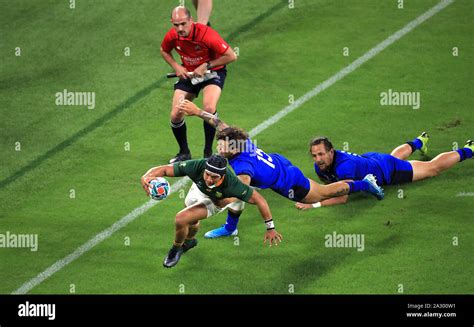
(303, 206)
(188, 108)
(181, 72)
(273, 237)
(200, 71)
(146, 184)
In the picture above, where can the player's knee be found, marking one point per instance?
(210, 108)
(175, 116)
(180, 220)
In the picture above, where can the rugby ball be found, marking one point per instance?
(159, 188)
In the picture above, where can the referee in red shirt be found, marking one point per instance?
(201, 48)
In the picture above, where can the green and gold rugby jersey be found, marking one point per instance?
(231, 187)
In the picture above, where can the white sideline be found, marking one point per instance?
(58, 265)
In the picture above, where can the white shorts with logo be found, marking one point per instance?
(196, 197)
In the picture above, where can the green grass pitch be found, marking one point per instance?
(49, 152)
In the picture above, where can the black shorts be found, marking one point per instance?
(401, 177)
(187, 86)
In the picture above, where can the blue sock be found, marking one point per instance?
(232, 221)
(468, 153)
(464, 153)
(357, 186)
(416, 144)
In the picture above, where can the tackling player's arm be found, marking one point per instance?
(154, 172)
(325, 203)
(190, 109)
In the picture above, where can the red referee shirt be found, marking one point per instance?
(202, 45)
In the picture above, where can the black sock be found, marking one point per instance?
(209, 134)
(179, 131)
(412, 145)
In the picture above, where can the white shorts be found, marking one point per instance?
(195, 196)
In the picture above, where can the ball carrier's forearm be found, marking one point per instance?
(154, 172)
(159, 171)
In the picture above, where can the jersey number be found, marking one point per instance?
(352, 154)
(261, 156)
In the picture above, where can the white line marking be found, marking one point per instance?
(124, 221)
(465, 194)
(58, 265)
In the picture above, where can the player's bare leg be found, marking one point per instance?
(426, 169)
(211, 95)
(186, 218)
(184, 221)
(190, 241)
(204, 9)
(404, 151)
(193, 229)
(178, 125)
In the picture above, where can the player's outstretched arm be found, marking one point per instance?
(154, 172)
(271, 235)
(190, 109)
(325, 203)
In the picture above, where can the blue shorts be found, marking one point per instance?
(292, 183)
(395, 171)
(187, 86)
